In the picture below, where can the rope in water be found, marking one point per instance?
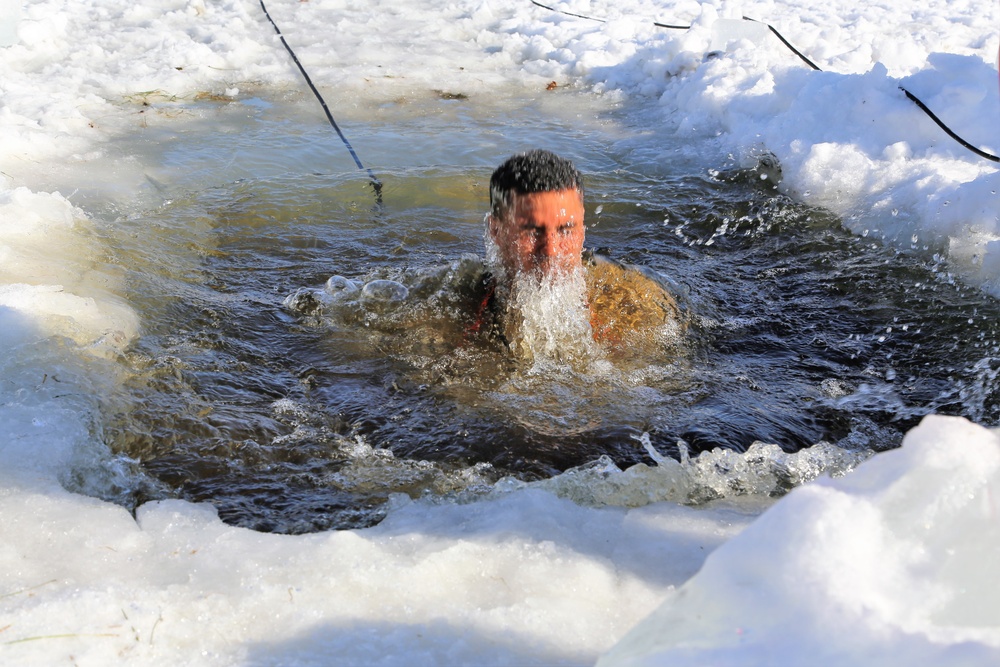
(913, 98)
(376, 183)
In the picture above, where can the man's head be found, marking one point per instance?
(536, 214)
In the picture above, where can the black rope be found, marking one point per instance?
(592, 18)
(559, 11)
(786, 43)
(376, 184)
(913, 98)
(671, 27)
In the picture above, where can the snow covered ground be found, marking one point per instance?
(890, 561)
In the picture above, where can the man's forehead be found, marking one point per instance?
(571, 194)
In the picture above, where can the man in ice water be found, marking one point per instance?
(534, 237)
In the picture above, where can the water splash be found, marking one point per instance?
(763, 470)
(547, 319)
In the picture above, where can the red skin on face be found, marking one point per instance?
(545, 236)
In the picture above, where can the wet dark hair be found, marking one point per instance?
(525, 173)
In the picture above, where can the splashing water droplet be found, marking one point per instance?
(384, 291)
(341, 285)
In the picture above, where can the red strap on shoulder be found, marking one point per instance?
(482, 309)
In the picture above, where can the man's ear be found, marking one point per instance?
(492, 226)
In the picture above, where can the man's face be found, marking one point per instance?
(545, 234)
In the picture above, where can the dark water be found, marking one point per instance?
(799, 332)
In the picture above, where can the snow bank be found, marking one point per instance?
(52, 272)
(452, 584)
(891, 564)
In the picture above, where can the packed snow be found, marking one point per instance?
(888, 563)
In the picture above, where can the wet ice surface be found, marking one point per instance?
(292, 417)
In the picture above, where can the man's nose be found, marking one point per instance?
(547, 244)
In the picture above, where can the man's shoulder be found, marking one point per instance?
(626, 298)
